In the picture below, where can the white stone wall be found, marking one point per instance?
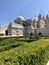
(47, 22)
(44, 31)
(17, 29)
(15, 25)
(28, 30)
(3, 28)
(17, 32)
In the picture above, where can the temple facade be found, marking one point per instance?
(23, 27)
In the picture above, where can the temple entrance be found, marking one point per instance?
(6, 32)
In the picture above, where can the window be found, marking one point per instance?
(17, 32)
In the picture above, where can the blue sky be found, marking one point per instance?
(11, 9)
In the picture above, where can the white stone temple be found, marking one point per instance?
(23, 27)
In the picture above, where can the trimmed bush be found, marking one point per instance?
(40, 34)
(32, 35)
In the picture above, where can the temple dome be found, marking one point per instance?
(21, 18)
(35, 19)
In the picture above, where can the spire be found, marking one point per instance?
(47, 16)
(40, 16)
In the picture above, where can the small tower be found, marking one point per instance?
(41, 17)
(47, 21)
(35, 20)
(41, 22)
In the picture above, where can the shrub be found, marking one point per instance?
(40, 34)
(31, 35)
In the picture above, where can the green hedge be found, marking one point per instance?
(33, 53)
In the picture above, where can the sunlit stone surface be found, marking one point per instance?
(47, 63)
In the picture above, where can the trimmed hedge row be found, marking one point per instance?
(33, 53)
